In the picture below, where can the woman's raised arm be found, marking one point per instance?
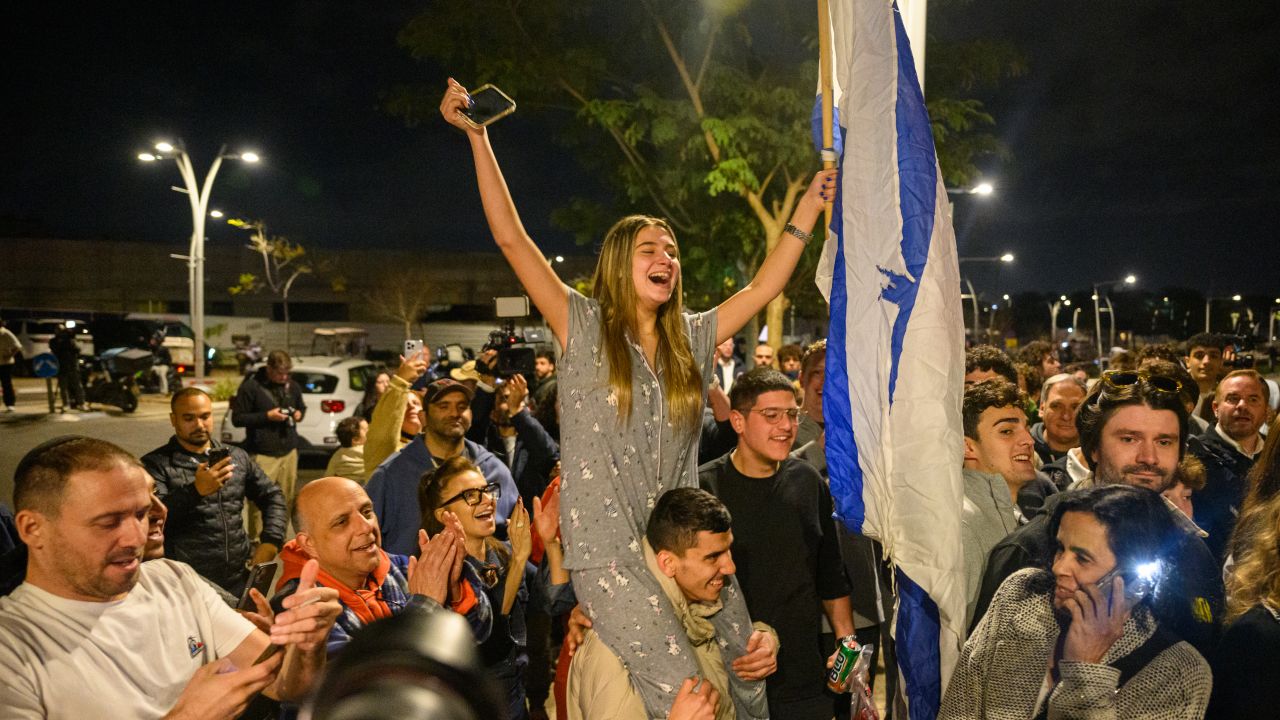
(776, 269)
(544, 287)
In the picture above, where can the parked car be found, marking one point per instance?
(34, 336)
(331, 387)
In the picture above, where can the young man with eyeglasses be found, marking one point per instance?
(785, 544)
(1133, 431)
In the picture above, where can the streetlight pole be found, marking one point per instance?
(976, 318)
(1097, 311)
(198, 196)
(1053, 316)
(1005, 258)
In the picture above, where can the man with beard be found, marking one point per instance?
(13, 563)
(393, 487)
(1132, 429)
(785, 544)
(205, 496)
(1228, 450)
(94, 629)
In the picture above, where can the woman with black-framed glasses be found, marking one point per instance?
(457, 494)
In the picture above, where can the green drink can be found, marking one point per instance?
(846, 658)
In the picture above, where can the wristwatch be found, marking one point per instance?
(805, 237)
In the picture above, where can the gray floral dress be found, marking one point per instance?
(613, 473)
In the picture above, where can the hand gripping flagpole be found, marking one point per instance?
(824, 75)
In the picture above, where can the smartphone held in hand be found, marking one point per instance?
(488, 105)
(260, 577)
(412, 347)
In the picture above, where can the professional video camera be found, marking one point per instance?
(515, 357)
(417, 665)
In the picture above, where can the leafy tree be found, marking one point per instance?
(696, 111)
(283, 263)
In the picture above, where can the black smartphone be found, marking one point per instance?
(488, 104)
(260, 577)
(218, 454)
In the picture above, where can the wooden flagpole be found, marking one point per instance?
(824, 76)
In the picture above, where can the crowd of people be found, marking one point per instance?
(657, 505)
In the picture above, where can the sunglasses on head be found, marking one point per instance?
(473, 496)
(1117, 379)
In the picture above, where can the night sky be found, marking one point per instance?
(1141, 137)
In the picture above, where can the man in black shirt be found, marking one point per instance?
(785, 544)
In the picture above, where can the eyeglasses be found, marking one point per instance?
(773, 415)
(1117, 379)
(473, 496)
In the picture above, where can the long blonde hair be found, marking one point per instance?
(614, 289)
(1255, 577)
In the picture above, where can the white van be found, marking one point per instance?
(34, 336)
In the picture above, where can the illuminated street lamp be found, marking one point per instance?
(1097, 311)
(983, 188)
(198, 196)
(1054, 307)
(1208, 306)
(1005, 258)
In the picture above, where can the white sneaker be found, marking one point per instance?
(8, 408)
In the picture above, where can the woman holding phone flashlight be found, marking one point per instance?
(632, 376)
(1086, 637)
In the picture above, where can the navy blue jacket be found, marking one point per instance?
(393, 487)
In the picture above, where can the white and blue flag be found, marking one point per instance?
(895, 347)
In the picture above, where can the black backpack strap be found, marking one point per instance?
(1132, 664)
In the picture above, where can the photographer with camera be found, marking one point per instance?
(269, 406)
(205, 485)
(1096, 619)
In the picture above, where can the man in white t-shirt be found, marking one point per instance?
(94, 631)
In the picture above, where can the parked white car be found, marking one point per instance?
(332, 388)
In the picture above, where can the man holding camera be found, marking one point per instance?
(269, 407)
(205, 486)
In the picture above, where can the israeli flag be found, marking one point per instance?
(895, 348)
